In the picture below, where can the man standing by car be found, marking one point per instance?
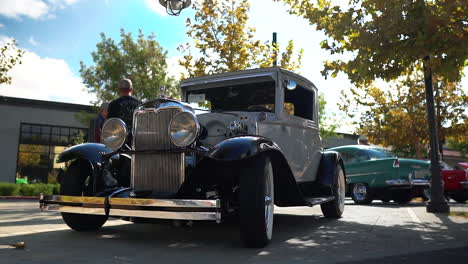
(124, 106)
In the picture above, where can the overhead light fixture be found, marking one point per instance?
(174, 7)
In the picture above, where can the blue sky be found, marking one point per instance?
(72, 33)
(58, 34)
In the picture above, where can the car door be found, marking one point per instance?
(296, 131)
(365, 168)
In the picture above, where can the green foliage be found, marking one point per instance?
(9, 189)
(327, 123)
(395, 115)
(13, 189)
(459, 139)
(142, 60)
(37, 188)
(10, 56)
(85, 117)
(225, 43)
(387, 38)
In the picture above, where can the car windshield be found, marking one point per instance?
(379, 153)
(246, 97)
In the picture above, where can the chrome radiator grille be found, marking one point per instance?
(157, 172)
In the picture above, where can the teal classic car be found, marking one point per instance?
(376, 173)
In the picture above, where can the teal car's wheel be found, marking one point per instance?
(257, 203)
(403, 197)
(335, 208)
(361, 193)
(73, 184)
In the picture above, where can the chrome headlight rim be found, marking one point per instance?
(122, 139)
(195, 135)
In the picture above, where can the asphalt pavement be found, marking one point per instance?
(378, 233)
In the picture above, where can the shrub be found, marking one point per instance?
(9, 189)
(12, 189)
(37, 189)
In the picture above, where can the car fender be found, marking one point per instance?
(241, 147)
(326, 170)
(87, 151)
(245, 148)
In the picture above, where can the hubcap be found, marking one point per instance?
(360, 191)
(269, 200)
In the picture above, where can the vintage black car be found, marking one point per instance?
(250, 142)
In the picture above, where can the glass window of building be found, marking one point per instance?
(39, 147)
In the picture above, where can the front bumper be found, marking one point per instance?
(408, 183)
(176, 209)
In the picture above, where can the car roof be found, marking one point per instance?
(357, 147)
(241, 77)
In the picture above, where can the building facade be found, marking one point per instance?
(32, 135)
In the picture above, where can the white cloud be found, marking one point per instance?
(174, 69)
(155, 6)
(45, 79)
(2, 26)
(32, 41)
(32, 8)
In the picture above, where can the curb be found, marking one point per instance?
(19, 197)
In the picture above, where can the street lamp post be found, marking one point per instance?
(437, 203)
(174, 7)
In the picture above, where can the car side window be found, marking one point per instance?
(360, 155)
(347, 157)
(301, 101)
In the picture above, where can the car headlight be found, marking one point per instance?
(114, 133)
(184, 129)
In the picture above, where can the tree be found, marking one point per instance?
(143, 61)
(225, 43)
(10, 56)
(327, 122)
(387, 39)
(394, 115)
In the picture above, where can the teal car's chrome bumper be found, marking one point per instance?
(409, 183)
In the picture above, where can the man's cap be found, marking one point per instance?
(104, 106)
(125, 84)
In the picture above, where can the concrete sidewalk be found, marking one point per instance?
(301, 235)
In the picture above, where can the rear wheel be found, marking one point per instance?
(335, 208)
(74, 183)
(361, 193)
(256, 197)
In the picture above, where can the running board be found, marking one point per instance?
(319, 200)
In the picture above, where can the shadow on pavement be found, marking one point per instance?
(297, 238)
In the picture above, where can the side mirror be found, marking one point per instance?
(290, 84)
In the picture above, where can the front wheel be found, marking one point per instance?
(74, 184)
(460, 197)
(256, 197)
(335, 208)
(361, 193)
